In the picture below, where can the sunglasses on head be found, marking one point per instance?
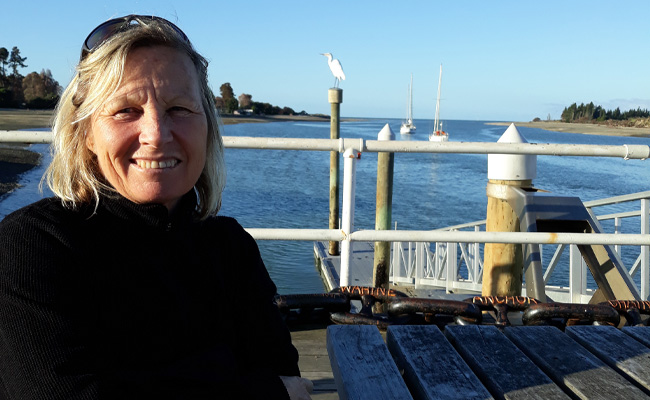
(109, 28)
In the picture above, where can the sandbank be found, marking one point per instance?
(589, 129)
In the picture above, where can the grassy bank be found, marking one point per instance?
(11, 119)
(589, 129)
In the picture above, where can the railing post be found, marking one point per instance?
(645, 250)
(504, 263)
(335, 97)
(383, 213)
(347, 221)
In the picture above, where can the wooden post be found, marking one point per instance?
(384, 207)
(335, 97)
(503, 262)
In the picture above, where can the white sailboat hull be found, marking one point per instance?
(438, 134)
(439, 138)
(408, 126)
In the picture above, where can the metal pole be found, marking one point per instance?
(335, 97)
(383, 213)
(347, 222)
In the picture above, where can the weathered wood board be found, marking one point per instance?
(362, 365)
(570, 365)
(504, 369)
(618, 350)
(432, 368)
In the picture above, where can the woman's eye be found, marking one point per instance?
(179, 110)
(126, 111)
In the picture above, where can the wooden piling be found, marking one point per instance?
(335, 97)
(383, 213)
(503, 262)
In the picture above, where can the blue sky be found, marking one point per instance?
(508, 60)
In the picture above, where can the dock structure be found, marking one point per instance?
(361, 272)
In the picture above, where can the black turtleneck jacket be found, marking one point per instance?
(130, 302)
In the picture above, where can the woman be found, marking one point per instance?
(126, 284)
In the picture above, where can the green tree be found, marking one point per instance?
(33, 87)
(4, 56)
(231, 105)
(16, 61)
(226, 92)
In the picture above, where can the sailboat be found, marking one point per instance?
(408, 126)
(438, 135)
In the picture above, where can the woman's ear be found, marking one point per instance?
(90, 140)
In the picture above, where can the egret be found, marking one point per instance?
(336, 68)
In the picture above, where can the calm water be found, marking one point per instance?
(291, 188)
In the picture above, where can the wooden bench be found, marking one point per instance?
(483, 362)
(623, 353)
(361, 364)
(570, 365)
(500, 365)
(432, 368)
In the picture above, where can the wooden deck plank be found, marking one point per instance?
(570, 365)
(314, 362)
(504, 370)
(640, 333)
(362, 366)
(432, 368)
(616, 349)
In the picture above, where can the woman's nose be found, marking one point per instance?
(155, 129)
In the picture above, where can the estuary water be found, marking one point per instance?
(290, 189)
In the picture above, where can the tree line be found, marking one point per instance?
(36, 90)
(42, 91)
(590, 112)
(227, 103)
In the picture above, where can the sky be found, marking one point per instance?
(502, 61)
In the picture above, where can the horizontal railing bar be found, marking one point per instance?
(25, 137)
(618, 199)
(624, 151)
(463, 226)
(245, 142)
(450, 236)
(627, 214)
(502, 237)
(296, 234)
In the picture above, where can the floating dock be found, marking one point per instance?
(361, 266)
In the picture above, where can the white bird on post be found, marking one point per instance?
(336, 68)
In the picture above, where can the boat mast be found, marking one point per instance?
(436, 121)
(411, 100)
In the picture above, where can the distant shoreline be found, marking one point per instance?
(15, 159)
(588, 129)
(15, 119)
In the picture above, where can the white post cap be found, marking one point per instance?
(386, 133)
(512, 167)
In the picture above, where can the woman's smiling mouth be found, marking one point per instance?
(153, 164)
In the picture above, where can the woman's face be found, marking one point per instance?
(150, 136)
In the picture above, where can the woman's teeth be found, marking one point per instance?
(156, 164)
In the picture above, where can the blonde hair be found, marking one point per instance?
(74, 175)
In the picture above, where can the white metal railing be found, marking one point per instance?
(451, 241)
(459, 266)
